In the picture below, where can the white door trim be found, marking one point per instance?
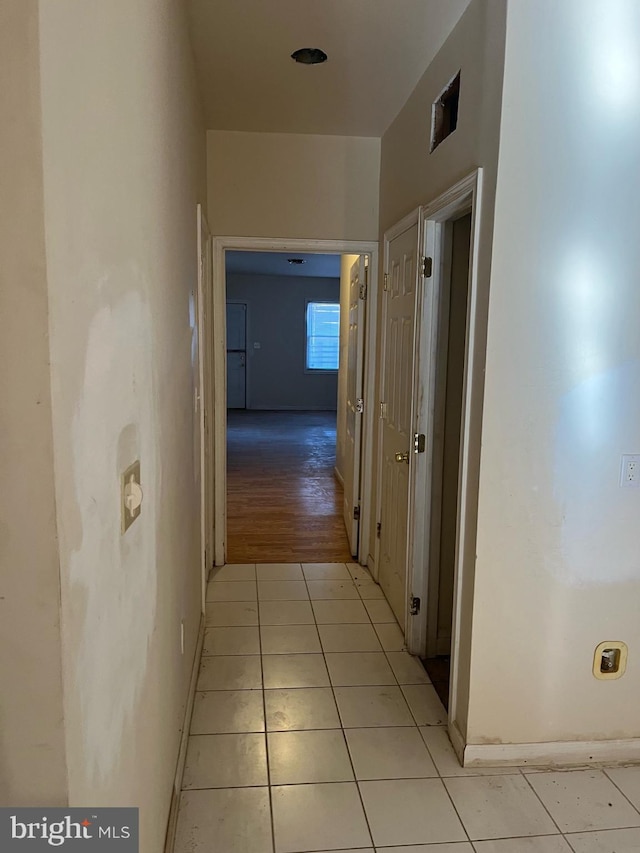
(462, 197)
(219, 415)
(204, 359)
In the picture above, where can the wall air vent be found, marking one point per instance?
(444, 112)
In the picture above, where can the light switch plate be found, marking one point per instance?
(128, 517)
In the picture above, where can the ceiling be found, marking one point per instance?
(378, 50)
(276, 263)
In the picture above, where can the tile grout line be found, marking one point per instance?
(615, 784)
(266, 733)
(417, 727)
(342, 729)
(539, 798)
(521, 771)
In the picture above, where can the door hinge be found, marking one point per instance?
(419, 442)
(363, 290)
(383, 410)
(378, 529)
(414, 605)
(386, 281)
(359, 406)
(356, 513)
(427, 267)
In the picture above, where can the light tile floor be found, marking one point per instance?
(313, 730)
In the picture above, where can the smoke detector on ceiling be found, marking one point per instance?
(309, 56)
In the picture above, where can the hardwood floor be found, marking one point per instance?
(284, 503)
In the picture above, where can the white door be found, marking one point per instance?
(354, 406)
(396, 415)
(236, 355)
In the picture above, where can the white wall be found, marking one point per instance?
(293, 185)
(346, 262)
(32, 760)
(124, 161)
(276, 319)
(558, 568)
(411, 176)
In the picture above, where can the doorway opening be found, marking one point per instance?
(283, 347)
(452, 326)
(426, 495)
(279, 419)
(450, 351)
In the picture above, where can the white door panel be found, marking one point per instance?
(397, 434)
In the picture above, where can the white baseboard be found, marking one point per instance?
(172, 819)
(552, 754)
(457, 741)
(339, 477)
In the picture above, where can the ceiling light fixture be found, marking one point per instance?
(309, 56)
(296, 261)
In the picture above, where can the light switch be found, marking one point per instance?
(256, 344)
(130, 495)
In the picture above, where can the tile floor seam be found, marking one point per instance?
(568, 840)
(266, 739)
(415, 726)
(526, 778)
(519, 837)
(615, 784)
(477, 844)
(455, 808)
(344, 737)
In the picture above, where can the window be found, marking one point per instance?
(323, 335)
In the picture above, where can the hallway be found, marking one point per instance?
(283, 500)
(356, 754)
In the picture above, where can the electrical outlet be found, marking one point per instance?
(610, 660)
(130, 495)
(630, 471)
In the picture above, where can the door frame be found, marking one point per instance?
(220, 245)
(205, 364)
(353, 482)
(247, 383)
(465, 196)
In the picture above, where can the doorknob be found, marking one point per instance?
(402, 457)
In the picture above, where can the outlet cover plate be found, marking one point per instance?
(622, 664)
(630, 471)
(129, 517)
